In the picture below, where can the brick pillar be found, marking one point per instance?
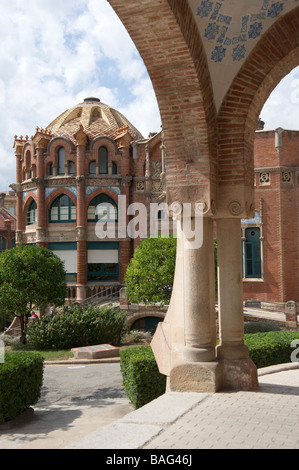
(42, 221)
(18, 190)
(81, 234)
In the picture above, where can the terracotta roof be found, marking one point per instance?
(6, 215)
(96, 118)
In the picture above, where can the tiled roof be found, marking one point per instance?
(96, 118)
(6, 215)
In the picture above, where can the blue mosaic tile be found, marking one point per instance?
(212, 31)
(239, 52)
(204, 9)
(255, 30)
(275, 9)
(218, 54)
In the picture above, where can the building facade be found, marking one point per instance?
(270, 239)
(75, 180)
(7, 220)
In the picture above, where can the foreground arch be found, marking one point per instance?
(211, 81)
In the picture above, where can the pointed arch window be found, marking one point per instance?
(102, 207)
(61, 161)
(103, 161)
(252, 253)
(62, 209)
(32, 213)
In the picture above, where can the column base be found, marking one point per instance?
(198, 377)
(239, 375)
(213, 377)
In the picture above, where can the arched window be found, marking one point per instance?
(102, 207)
(92, 168)
(3, 244)
(62, 210)
(60, 161)
(103, 161)
(32, 213)
(114, 168)
(252, 253)
(71, 168)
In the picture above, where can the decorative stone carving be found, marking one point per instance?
(140, 186)
(41, 235)
(157, 186)
(286, 176)
(235, 208)
(126, 180)
(264, 178)
(80, 179)
(80, 234)
(157, 169)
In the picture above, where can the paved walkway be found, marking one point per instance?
(264, 419)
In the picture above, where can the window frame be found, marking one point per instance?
(29, 211)
(109, 202)
(60, 164)
(101, 150)
(70, 205)
(256, 255)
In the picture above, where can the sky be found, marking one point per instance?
(55, 53)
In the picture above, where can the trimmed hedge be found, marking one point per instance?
(268, 349)
(143, 382)
(76, 327)
(141, 378)
(260, 327)
(21, 379)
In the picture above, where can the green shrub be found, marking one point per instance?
(77, 327)
(21, 379)
(270, 348)
(141, 378)
(260, 327)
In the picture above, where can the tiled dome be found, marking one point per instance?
(96, 118)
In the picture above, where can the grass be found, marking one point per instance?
(51, 355)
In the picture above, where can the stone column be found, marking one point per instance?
(199, 337)
(184, 344)
(239, 371)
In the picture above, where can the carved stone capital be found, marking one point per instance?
(80, 179)
(41, 235)
(126, 180)
(81, 234)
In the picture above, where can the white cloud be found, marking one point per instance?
(56, 53)
(282, 106)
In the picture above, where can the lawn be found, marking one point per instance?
(51, 355)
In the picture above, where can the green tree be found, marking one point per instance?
(150, 274)
(31, 278)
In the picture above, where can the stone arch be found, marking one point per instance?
(183, 89)
(271, 60)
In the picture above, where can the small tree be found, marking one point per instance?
(150, 274)
(31, 278)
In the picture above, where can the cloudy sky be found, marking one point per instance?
(55, 53)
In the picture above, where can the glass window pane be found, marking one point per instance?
(64, 213)
(103, 160)
(73, 213)
(60, 161)
(92, 168)
(91, 213)
(54, 213)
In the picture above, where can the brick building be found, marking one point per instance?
(270, 239)
(7, 220)
(69, 179)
